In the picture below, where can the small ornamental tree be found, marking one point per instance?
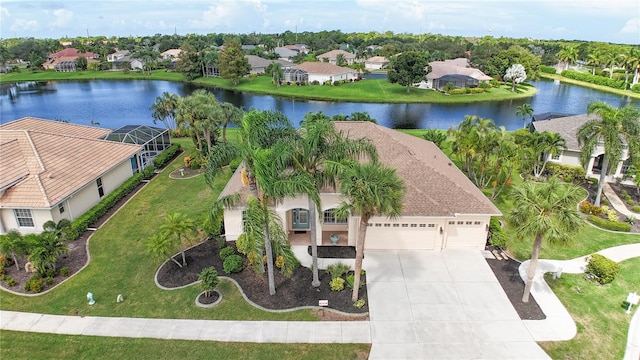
(208, 280)
(516, 74)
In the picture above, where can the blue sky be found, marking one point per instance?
(595, 20)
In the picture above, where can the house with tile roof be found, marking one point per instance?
(332, 57)
(319, 71)
(453, 71)
(443, 209)
(171, 54)
(567, 127)
(50, 170)
(376, 63)
(65, 60)
(259, 65)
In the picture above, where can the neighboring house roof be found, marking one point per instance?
(72, 52)
(567, 127)
(118, 54)
(324, 68)
(434, 185)
(174, 53)
(58, 160)
(457, 66)
(377, 59)
(257, 61)
(284, 52)
(333, 55)
(550, 115)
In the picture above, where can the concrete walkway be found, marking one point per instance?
(616, 202)
(442, 305)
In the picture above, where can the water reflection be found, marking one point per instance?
(114, 103)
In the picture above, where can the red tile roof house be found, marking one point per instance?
(68, 55)
(332, 56)
(443, 209)
(456, 72)
(50, 170)
(320, 72)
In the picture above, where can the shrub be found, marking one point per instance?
(351, 280)
(234, 164)
(598, 80)
(65, 271)
(456, 92)
(280, 261)
(336, 83)
(147, 173)
(337, 284)
(627, 197)
(609, 225)
(48, 280)
(315, 82)
(547, 69)
(336, 270)
(165, 156)
(631, 220)
(593, 181)
(636, 88)
(624, 193)
(208, 279)
(359, 303)
(327, 82)
(567, 172)
(629, 201)
(498, 236)
(603, 268)
(484, 85)
(10, 281)
(226, 252)
(435, 136)
(195, 164)
(35, 284)
(232, 264)
(636, 209)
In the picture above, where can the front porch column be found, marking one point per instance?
(618, 172)
(590, 166)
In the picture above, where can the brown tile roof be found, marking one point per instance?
(323, 68)
(455, 67)
(14, 167)
(73, 52)
(566, 126)
(435, 186)
(56, 127)
(378, 59)
(333, 55)
(58, 164)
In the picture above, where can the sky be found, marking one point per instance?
(616, 21)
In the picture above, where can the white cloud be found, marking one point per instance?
(24, 25)
(4, 11)
(229, 14)
(63, 17)
(631, 26)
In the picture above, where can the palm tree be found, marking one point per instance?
(315, 153)
(230, 115)
(200, 115)
(178, 230)
(164, 109)
(12, 243)
(361, 116)
(630, 61)
(340, 60)
(568, 55)
(541, 148)
(45, 249)
(611, 60)
(595, 59)
(544, 210)
(523, 111)
(616, 129)
(369, 189)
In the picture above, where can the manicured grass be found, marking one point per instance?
(21, 345)
(120, 264)
(628, 93)
(598, 312)
(368, 90)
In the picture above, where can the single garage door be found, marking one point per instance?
(381, 237)
(464, 234)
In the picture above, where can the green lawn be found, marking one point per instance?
(628, 93)
(120, 264)
(598, 312)
(369, 90)
(21, 345)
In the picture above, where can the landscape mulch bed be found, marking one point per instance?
(291, 292)
(335, 252)
(506, 271)
(631, 190)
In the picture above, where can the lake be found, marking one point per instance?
(115, 103)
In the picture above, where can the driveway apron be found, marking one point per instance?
(441, 305)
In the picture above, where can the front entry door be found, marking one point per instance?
(299, 219)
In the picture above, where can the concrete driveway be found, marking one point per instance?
(441, 305)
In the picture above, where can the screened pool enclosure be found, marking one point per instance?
(153, 141)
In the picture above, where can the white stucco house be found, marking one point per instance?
(376, 63)
(442, 207)
(567, 127)
(50, 170)
(453, 71)
(319, 71)
(332, 57)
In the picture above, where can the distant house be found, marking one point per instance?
(118, 55)
(137, 64)
(456, 72)
(332, 57)
(259, 65)
(567, 127)
(65, 60)
(376, 63)
(171, 54)
(298, 48)
(319, 71)
(247, 47)
(52, 170)
(285, 53)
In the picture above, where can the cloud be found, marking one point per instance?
(631, 26)
(229, 14)
(26, 25)
(63, 17)
(4, 11)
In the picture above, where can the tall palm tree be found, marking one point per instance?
(544, 210)
(164, 109)
(616, 129)
(611, 60)
(595, 59)
(369, 189)
(200, 114)
(178, 229)
(630, 60)
(568, 55)
(230, 115)
(542, 147)
(259, 131)
(523, 111)
(315, 152)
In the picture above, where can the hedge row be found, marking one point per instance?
(80, 225)
(609, 225)
(598, 80)
(568, 173)
(635, 88)
(547, 69)
(166, 156)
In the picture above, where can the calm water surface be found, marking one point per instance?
(116, 103)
